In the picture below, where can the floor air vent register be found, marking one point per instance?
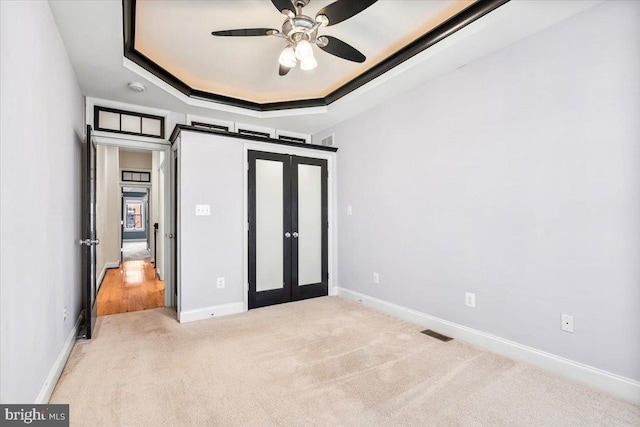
(436, 335)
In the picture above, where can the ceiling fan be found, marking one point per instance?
(301, 31)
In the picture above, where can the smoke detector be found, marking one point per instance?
(136, 87)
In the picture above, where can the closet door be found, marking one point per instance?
(288, 241)
(269, 229)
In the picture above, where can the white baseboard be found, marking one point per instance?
(106, 267)
(615, 384)
(58, 366)
(211, 312)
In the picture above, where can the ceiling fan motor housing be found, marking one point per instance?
(296, 28)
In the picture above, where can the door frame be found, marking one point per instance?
(331, 159)
(164, 146)
(173, 238)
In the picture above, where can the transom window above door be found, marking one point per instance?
(128, 122)
(135, 176)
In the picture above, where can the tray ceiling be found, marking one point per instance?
(173, 40)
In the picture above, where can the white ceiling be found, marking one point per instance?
(92, 32)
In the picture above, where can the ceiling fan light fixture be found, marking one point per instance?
(308, 63)
(301, 31)
(304, 50)
(288, 57)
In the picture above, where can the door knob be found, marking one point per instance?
(287, 235)
(90, 242)
(295, 234)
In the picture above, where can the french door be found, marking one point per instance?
(288, 220)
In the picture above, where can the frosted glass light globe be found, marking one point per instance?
(288, 57)
(308, 63)
(303, 50)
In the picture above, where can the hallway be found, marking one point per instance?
(133, 286)
(135, 251)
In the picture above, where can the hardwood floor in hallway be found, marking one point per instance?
(133, 286)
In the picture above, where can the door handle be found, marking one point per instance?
(90, 242)
(295, 234)
(287, 235)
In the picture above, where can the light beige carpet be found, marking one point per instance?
(321, 362)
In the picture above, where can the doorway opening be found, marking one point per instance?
(136, 236)
(131, 215)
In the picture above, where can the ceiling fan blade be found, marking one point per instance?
(343, 50)
(342, 10)
(284, 5)
(284, 70)
(247, 32)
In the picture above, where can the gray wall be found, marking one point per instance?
(41, 138)
(211, 246)
(517, 178)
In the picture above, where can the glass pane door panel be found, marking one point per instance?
(269, 225)
(309, 224)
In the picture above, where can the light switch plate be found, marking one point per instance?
(203, 210)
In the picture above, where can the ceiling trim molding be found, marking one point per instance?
(180, 128)
(457, 22)
(465, 17)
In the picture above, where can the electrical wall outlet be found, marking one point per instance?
(349, 210)
(567, 322)
(376, 278)
(64, 313)
(469, 299)
(220, 282)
